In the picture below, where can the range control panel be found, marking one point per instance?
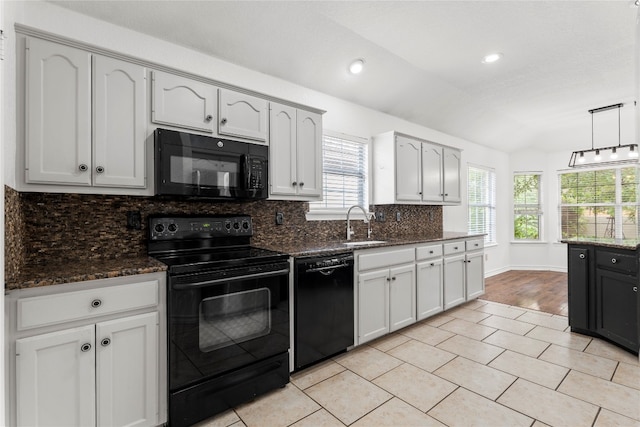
(175, 228)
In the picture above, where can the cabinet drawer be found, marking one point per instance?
(430, 251)
(367, 261)
(475, 244)
(454, 248)
(46, 310)
(617, 261)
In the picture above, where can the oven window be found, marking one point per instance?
(204, 172)
(234, 318)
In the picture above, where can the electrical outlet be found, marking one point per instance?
(430, 215)
(486, 257)
(279, 218)
(397, 216)
(380, 216)
(134, 220)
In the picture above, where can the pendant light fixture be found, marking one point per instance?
(627, 153)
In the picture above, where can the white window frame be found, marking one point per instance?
(317, 213)
(491, 235)
(617, 205)
(539, 212)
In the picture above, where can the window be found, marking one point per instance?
(482, 202)
(599, 203)
(527, 210)
(345, 165)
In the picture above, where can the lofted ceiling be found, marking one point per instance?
(423, 58)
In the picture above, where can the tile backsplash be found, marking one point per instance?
(42, 228)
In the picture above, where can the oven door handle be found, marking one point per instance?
(229, 279)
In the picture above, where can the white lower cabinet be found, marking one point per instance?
(474, 269)
(429, 281)
(106, 370)
(386, 295)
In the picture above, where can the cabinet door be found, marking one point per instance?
(182, 102)
(454, 289)
(451, 175)
(373, 305)
(474, 274)
(309, 153)
(432, 173)
(402, 297)
(242, 115)
(127, 371)
(578, 287)
(55, 378)
(617, 307)
(119, 123)
(429, 288)
(282, 149)
(58, 108)
(408, 170)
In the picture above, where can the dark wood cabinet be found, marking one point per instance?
(603, 293)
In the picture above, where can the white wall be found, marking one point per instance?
(341, 116)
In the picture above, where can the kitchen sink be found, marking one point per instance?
(364, 243)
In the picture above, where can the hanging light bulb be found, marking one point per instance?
(581, 158)
(614, 154)
(597, 157)
(632, 151)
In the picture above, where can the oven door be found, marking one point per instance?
(200, 166)
(218, 324)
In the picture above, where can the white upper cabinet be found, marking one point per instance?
(61, 112)
(412, 171)
(295, 154)
(58, 115)
(182, 102)
(119, 125)
(242, 115)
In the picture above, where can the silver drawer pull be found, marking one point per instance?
(582, 256)
(96, 303)
(613, 260)
(85, 347)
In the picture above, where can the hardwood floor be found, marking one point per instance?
(538, 290)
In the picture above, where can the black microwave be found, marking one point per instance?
(200, 166)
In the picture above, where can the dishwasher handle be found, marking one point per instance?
(326, 269)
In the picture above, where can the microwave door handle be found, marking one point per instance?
(198, 179)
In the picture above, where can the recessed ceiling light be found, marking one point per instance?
(493, 57)
(356, 66)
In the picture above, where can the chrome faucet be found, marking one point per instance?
(367, 220)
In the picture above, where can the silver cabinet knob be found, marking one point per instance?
(582, 256)
(613, 260)
(294, 183)
(85, 347)
(100, 169)
(635, 289)
(105, 342)
(301, 184)
(96, 303)
(209, 117)
(223, 121)
(83, 167)
(431, 265)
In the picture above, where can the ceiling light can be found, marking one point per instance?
(492, 57)
(356, 66)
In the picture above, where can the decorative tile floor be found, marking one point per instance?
(480, 364)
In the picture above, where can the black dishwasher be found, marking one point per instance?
(323, 307)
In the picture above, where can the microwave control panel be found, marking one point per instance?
(256, 173)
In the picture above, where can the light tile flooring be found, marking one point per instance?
(481, 364)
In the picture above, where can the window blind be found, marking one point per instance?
(344, 173)
(481, 198)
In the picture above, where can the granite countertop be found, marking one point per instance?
(56, 273)
(313, 248)
(631, 244)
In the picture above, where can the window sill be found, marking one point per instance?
(335, 215)
(529, 242)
